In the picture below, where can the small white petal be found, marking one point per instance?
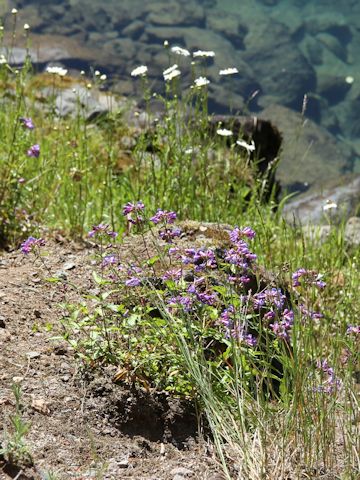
(57, 71)
(223, 132)
(330, 205)
(201, 81)
(229, 71)
(248, 147)
(180, 51)
(204, 53)
(139, 71)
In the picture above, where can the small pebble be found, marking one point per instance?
(33, 354)
(180, 473)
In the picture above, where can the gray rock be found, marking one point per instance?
(333, 88)
(228, 25)
(308, 208)
(134, 30)
(310, 154)
(352, 231)
(279, 65)
(334, 45)
(176, 13)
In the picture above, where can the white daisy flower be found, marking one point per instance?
(103, 77)
(3, 60)
(223, 132)
(171, 72)
(330, 205)
(26, 26)
(57, 71)
(229, 71)
(201, 82)
(349, 79)
(14, 11)
(139, 71)
(204, 53)
(180, 51)
(248, 147)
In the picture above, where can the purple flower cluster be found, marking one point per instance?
(109, 260)
(201, 292)
(163, 216)
(233, 329)
(27, 123)
(201, 258)
(168, 234)
(34, 151)
(134, 212)
(353, 330)
(184, 301)
(282, 328)
(132, 275)
(307, 278)
(102, 228)
(331, 383)
(31, 243)
(272, 298)
(238, 234)
(173, 274)
(306, 313)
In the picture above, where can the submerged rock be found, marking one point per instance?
(309, 154)
(336, 201)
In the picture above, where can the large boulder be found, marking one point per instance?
(310, 154)
(279, 65)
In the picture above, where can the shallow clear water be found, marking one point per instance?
(283, 50)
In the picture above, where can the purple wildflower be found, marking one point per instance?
(133, 212)
(109, 260)
(168, 234)
(34, 151)
(353, 330)
(331, 383)
(237, 234)
(163, 216)
(31, 243)
(306, 313)
(240, 255)
(102, 228)
(133, 282)
(173, 274)
(27, 123)
(186, 302)
(307, 277)
(239, 279)
(272, 297)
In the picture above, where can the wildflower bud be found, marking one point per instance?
(166, 43)
(26, 26)
(14, 11)
(97, 73)
(82, 72)
(88, 85)
(103, 77)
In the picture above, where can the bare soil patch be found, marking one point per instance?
(83, 426)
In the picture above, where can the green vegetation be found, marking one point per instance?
(14, 449)
(246, 328)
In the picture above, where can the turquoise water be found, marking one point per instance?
(283, 50)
